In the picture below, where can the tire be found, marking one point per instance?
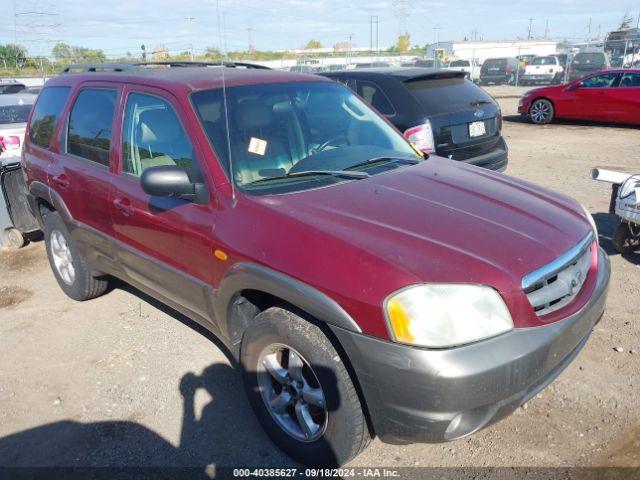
(342, 431)
(623, 239)
(541, 111)
(14, 239)
(67, 263)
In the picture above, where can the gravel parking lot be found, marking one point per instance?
(122, 381)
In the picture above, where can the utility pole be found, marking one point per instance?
(589, 30)
(546, 29)
(436, 58)
(377, 36)
(371, 33)
(530, 25)
(249, 30)
(349, 51)
(189, 20)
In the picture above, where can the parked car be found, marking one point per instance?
(611, 96)
(365, 290)
(500, 71)
(373, 65)
(10, 86)
(471, 68)
(543, 70)
(436, 110)
(585, 63)
(14, 112)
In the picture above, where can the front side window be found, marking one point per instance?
(279, 131)
(604, 80)
(45, 116)
(153, 136)
(373, 94)
(90, 123)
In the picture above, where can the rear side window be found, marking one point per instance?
(445, 95)
(630, 80)
(46, 114)
(373, 94)
(153, 136)
(90, 123)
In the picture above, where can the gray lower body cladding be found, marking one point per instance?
(421, 395)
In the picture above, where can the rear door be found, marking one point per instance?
(627, 98)
(82, 170)
(165, 244)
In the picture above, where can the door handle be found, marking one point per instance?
(61, 180)
(124, 205)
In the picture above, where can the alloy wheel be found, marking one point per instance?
(292, 393)
(541, 111)
(62, 258)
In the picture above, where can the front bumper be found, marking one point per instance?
(421, 395)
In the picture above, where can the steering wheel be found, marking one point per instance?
(331, 142)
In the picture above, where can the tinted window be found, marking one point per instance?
(441, 95)
(495, 63)
(12, 88)
(373, 94)
(90, 125)
(460, 63)
(604, 80)
(630, 80)
(153, 136)
(46, 114)
(14, 113)
(595, 60)
(544, 61)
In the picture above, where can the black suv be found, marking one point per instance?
(585, 63)
(500, 71)
(437, 111)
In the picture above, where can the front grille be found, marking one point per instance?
(556, 284)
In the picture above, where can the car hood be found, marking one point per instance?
(444, 221)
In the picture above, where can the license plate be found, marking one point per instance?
(476, 129)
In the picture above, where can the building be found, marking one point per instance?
(481, 50)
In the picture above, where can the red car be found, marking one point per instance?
(364, 289)
(610, 96)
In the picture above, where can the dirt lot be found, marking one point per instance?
(98, 383)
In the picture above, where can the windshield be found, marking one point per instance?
(14, 113)
(543, 61)
(281, 129)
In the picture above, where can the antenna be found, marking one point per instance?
(226, 111)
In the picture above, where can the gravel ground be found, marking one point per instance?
(98, 383)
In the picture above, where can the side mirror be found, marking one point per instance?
(172, 181)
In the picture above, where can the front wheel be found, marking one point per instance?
(541, 111)
(624, 240)
(301, 391)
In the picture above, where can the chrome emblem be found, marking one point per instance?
(576, 282)
(478, 113)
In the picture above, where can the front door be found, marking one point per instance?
(165, 244)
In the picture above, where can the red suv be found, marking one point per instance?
(365, 290)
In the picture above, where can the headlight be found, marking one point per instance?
(446, 315)
(589, 217)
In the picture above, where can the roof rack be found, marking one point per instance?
(127, 66)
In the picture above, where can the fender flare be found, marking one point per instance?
(40, 190)
(251, 276)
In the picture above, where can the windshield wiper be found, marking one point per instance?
(412, 161)
(334, 173)
(475, 103)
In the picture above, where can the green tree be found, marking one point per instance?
(13, 56)
(313, 45)
(61, 51)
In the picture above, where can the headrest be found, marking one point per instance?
(210, 111)
(253, 115)
(158, 125)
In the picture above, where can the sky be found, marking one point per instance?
(121, 26)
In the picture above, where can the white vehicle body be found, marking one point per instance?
(543, 70)
(14, 111)
(470, 67)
